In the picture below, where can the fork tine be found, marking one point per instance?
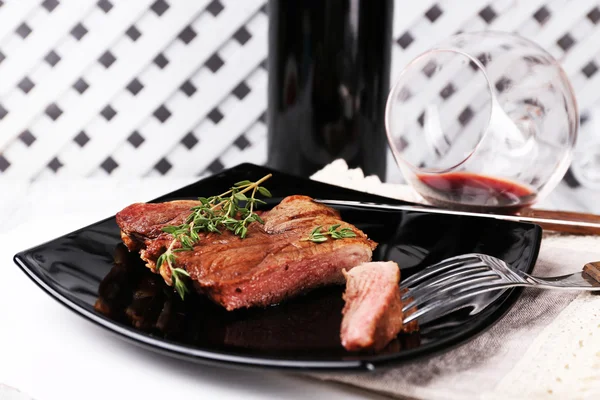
(436, 268)
(451, 275)
(486, 287)
(460, 286)
(443, 306)
(456, 282)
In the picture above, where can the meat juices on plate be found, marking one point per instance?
(271, 264)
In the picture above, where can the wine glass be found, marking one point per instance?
(483, 121)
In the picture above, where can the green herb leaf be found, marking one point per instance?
(181, 271)
(243, 183)
(177, 276)
(241, 196)
(347, 233)
(160, 261)
(334, 227)
(169, 229)
(318, 236)
(264, 191)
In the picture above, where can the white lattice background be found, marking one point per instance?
(132, 88)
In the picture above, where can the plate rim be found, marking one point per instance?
(189, 353)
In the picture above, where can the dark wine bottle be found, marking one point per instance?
(329, 70)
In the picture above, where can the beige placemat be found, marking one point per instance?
(547, 346)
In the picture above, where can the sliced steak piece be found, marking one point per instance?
(373, 309)
(271, 264)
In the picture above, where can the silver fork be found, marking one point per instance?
(448, 285)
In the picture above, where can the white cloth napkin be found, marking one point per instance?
(546, 347)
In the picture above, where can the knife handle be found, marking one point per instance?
(574, 217)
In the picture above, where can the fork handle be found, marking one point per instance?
(579, 223)
(576, 281)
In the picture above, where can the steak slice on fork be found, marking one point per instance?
(373, 309)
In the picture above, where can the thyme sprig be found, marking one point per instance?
(213, 214)
(319, 236)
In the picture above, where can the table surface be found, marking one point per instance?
(49, 352)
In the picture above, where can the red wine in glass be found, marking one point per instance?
(465, 190)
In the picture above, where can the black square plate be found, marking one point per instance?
(93, 274)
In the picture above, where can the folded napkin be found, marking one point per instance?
(546, 347)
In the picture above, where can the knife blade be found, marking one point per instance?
(556, 221)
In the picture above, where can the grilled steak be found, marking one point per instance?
(373, 310)
(271, 264)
